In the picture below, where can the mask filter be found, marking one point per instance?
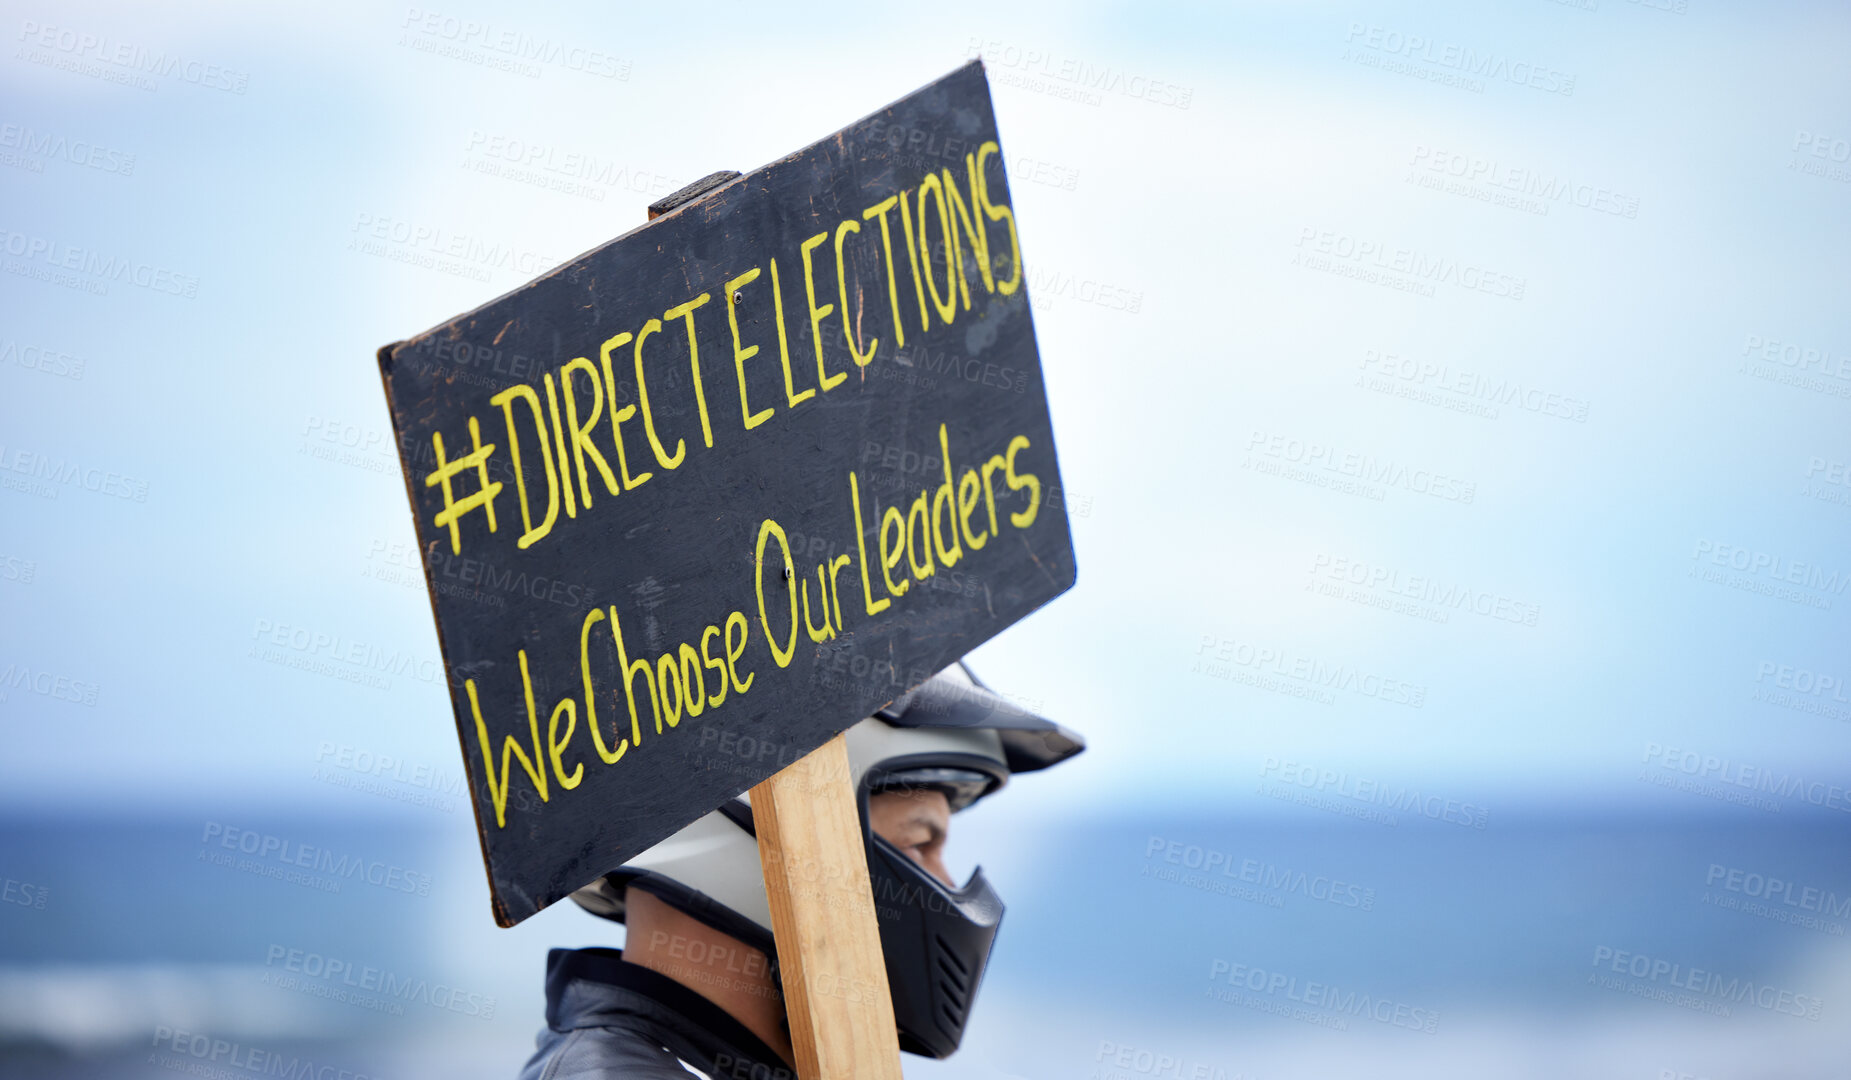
(936, 941)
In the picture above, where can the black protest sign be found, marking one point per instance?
(736, 478)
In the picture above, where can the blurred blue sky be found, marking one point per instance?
(1295, 137)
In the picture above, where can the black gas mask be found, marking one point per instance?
(936, 939)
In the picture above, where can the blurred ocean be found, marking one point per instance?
(1271, 946)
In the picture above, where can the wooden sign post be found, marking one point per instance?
(806, 815)
(737, 478)
(834, 977)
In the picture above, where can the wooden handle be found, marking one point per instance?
(822, 904)
(822, 913)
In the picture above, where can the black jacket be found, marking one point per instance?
(613, 1020)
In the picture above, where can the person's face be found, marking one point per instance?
(915, 821)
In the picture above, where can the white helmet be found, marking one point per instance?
(952, 733)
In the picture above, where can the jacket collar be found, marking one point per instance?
(635, 998)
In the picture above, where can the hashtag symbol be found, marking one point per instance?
(484, 496)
